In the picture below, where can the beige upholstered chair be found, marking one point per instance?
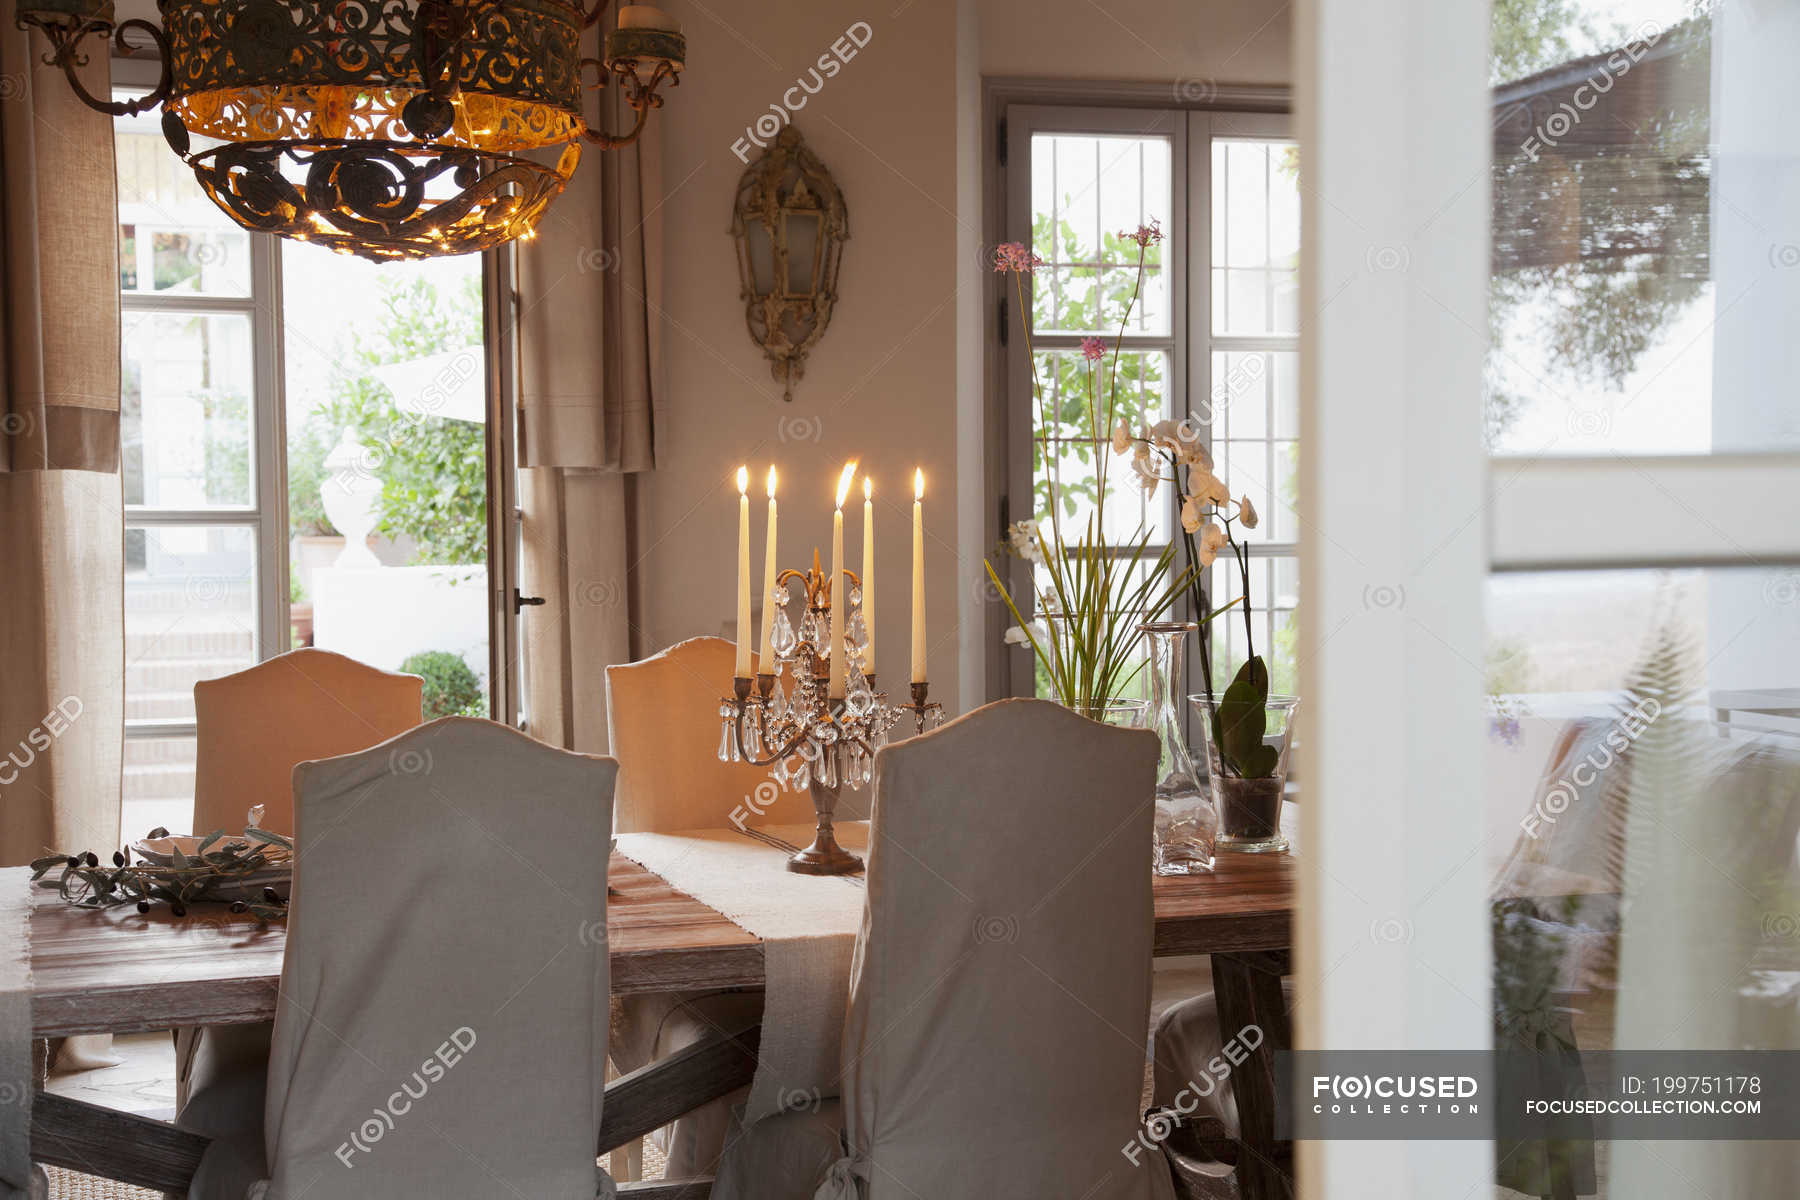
(994, 1039)
(253, 726)
(662, 720)
(450, 886)
(663, 726)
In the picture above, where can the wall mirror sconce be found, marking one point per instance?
(790, 225)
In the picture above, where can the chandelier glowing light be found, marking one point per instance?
(387, 128)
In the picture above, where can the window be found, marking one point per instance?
(1213, 337)
(274, 396)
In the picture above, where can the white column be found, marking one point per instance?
(1392, 110)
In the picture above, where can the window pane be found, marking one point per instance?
(185, 410)
(1087, 192)
(1274, 596)
(1077, 431)
(1643, 793)
(190, 614)
(158, 786)
(172, 238)
(1254, 412)
(387, 436)
(1645, 274)
(1255, 236)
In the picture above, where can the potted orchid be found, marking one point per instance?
(1090, 593)
(1248, 732)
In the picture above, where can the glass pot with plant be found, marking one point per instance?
(1095, 594)
(1248, 732)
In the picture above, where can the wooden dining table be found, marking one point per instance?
(119, 971)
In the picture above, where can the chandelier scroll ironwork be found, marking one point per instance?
(382, 128)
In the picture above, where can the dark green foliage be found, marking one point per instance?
(451, 688)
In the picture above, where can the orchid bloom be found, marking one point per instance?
(1190, 514)
(1015, 257)
(1024, 540)
(1121, 437)
(1247, 513)
(1147, 474)
(1207, 486)
(1212, 540)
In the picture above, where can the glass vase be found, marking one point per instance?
(1187, 820)
(1250, 809)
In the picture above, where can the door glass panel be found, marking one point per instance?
(185, 410)
(1086, 193)
(1256, 237)
(190, 614)
(387, 466)
(172, 239)
(1646, 266)
(1643, 801)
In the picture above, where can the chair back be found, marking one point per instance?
(1000, 999)
(662, 719)
(441, 1027)
(254, 726)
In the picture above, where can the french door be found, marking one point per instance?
(1551, 645)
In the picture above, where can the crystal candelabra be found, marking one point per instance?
(786, 719)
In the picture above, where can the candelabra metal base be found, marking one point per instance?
(824, 856)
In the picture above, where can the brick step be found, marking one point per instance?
(178, 674)
(179, 642)
(155, 752)
(159, 706)
(171, 781)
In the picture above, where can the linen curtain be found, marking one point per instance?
(589, 340)
(61, 518)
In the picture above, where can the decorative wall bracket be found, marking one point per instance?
(790, 224)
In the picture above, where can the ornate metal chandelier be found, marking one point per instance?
(387, 128)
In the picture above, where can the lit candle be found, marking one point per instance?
(918, 597)
(868, 575)
(743, 597)
(768, 621)
(839, 601)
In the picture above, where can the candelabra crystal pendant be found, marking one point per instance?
(788, 721)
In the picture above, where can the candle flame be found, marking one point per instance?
(868, 488)
(771, 481)
(918, 485)
(844, 482)
(743, 481)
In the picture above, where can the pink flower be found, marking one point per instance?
(1146, 235)
(1013, 256)
(1093, 349)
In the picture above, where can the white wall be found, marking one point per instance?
(898, 128)
(1222, 41)
(880, 386)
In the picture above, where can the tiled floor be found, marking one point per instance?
(144, 1083)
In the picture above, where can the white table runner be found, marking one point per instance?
(808, 926)
(16, 1083)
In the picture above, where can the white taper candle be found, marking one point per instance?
(868, 575)
(918, 579)
(742, 669)
(767, 645)
(839, 600)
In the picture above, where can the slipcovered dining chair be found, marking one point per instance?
(663, 727)
(252, 728)
(1000, 993)
(449, 922)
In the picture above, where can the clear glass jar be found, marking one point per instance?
(1187, 820)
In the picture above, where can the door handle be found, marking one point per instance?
(520, 602)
